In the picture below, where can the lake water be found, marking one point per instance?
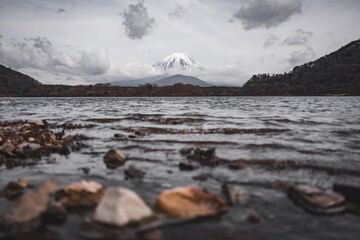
(323, 132)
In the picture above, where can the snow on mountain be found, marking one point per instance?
(178, 61)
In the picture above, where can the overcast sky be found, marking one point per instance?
(83, 41)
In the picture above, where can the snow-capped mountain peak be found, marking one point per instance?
(178, 61)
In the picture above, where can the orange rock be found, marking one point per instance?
(31, 139)
(81, 194)
(189, 202)
(39, 123)
(112, 159)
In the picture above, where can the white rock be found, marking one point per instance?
(121, 206)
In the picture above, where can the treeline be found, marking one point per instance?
(336, 73)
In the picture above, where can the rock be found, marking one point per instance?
(120, 207)
(236, 165)
(235, 197)
(15, 189)
(86, 170)
(140, 133)
(55, 213)
(188, 166)
(66, 138)
(119, 135)
(39, 123)
(25, 213)
(185, 151)
(133, 172)
(81, 194)
(254, 218)
(351, 193)
(317, 200)
(189, 202)
(204, 156)
(7, 148)
(31, 139)
(201, 177)
(113, 160)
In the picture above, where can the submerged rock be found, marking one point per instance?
(188, 166)
(14, 189)
(317, 200)
(235, 197)
(204, 156)
(189, 202)
(120, 207)
(113, 160)
(81, 194)
(55, 213)
(133, 172)
(201, 177)
(25, 213)
(254, 218)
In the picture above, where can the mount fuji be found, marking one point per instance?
(178, 61)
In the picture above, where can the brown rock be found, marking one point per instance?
(81, 194)
(31, 139)
(113, 160)
(133, 172)
(189, 202)
(25, 213)
(237, 165)
(204, 156)
(14, 189)
(317, 200)
(254, 218)
(185, 151)
(39, 123)
(7, 148)
(201, 177)
(119, 135)
(188, 166)
(66, 138)
(55, 213)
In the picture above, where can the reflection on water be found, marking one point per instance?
(316, 131)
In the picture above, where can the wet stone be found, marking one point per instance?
(204, 156)
(351, 193)
(317, 200)
(81, 194)
(254, 218)
(120, 207)
(201, 177)
(55, 213)
(236, 165)
(14, 189)
(188, 166)
(39, 123)
(185, 151)
(189, 202)
(113, 160)
(133, 172)
(235, 197)
(24, 215)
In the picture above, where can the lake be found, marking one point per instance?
(316, 138)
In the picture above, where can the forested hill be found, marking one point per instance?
(336, 73)
(12, 83)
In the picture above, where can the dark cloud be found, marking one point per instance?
(60, 10)
(266, 13)
(38, 53)
(137, 21)
(301, 57)
(271, 41)
(178, 12)
(300, 37)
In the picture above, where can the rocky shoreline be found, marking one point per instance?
(119, 212)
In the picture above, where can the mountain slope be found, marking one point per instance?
(336, 73)
(12, 83)
(178, 61)
(181, 79)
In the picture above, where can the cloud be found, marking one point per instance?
(60, 10)
(266, 13)
(136, 21)
(39, 53)
(300, 37)
(271, 41)
(301, 57)
(177, 13)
